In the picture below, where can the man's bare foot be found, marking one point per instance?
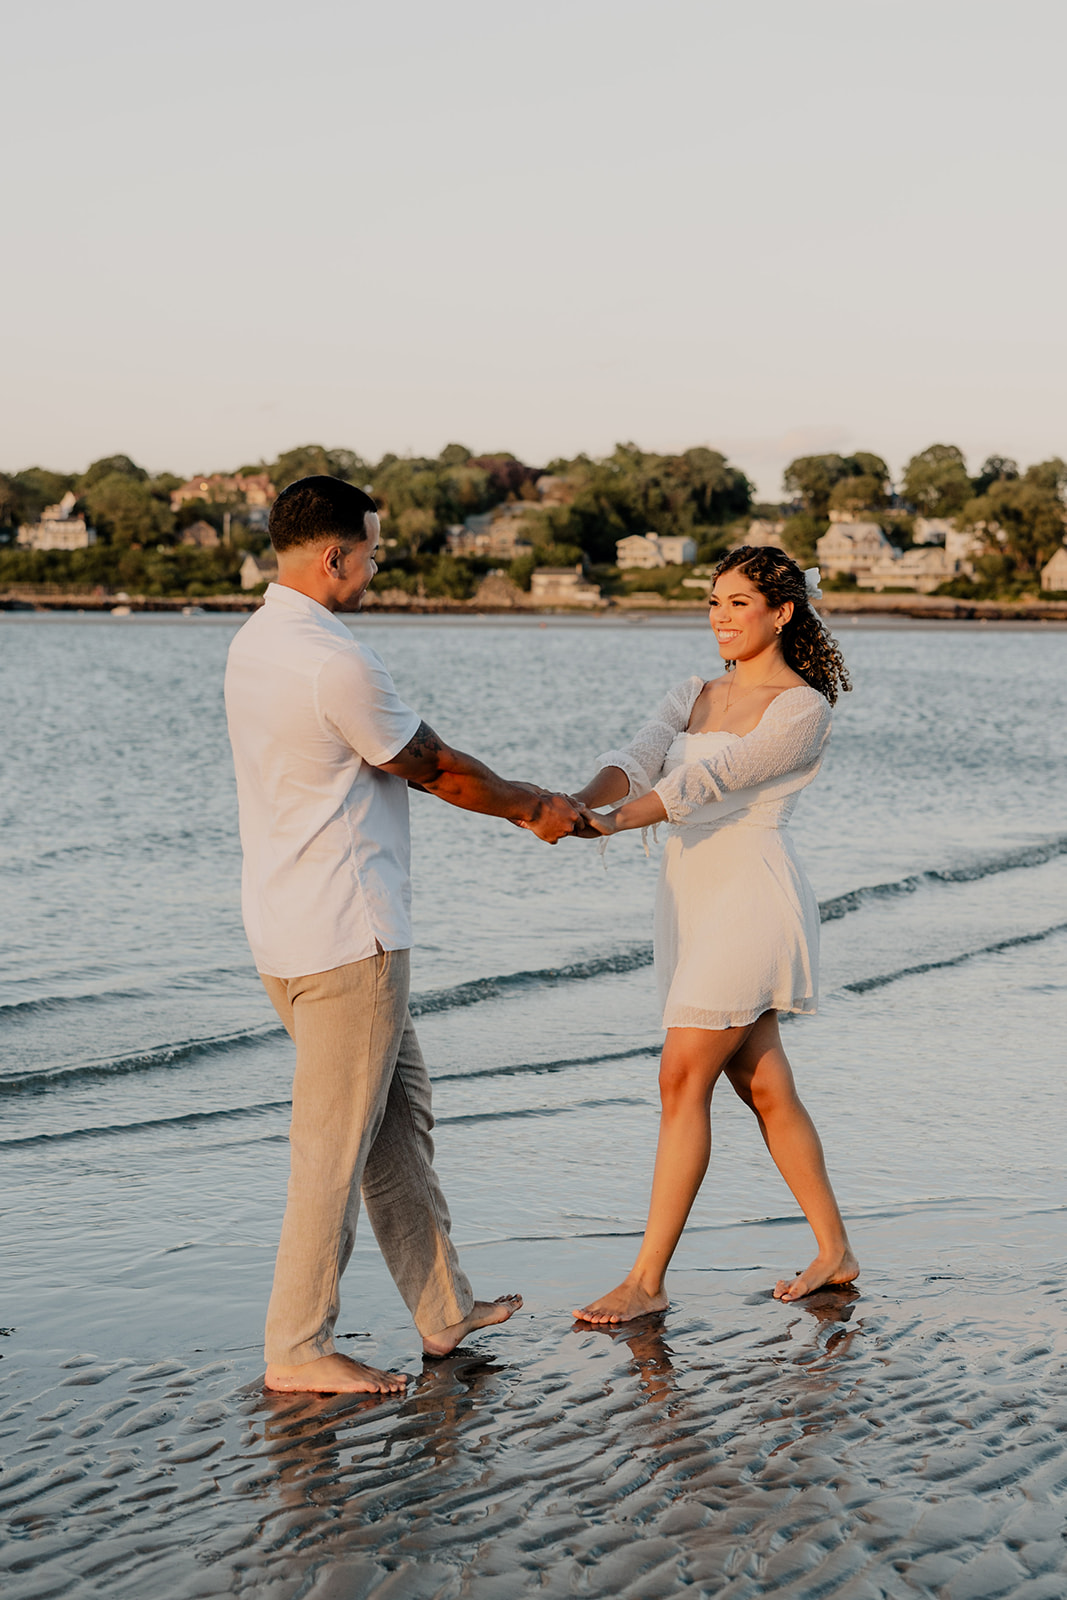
(825, 1269)
(623, 1304)
(335, 1374)
(482, 1314)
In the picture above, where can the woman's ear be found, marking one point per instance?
(785, 614)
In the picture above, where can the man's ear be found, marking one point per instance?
(332, 560)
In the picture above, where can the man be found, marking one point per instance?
(324, 750)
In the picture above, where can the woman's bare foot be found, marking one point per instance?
(841, 1267)
(334, 1374)
(623, 1304)
(482, 1314)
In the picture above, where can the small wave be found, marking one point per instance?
(546, 1066)
(1035, 855)
(864, 985)
(169, 1055)
(496, 988)
(63, 1002)
(187, 1119)
(194, 1119)
(525, 1112)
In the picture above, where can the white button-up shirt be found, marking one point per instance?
(312, 714)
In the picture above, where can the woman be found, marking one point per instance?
(737, 924)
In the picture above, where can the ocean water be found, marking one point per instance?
(908, 1439)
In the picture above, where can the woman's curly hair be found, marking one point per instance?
(807, 646)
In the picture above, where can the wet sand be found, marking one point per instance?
(908, 1439)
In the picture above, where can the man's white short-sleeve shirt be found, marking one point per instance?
(312, 714)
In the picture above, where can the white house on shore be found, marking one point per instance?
(852, 547)
(58, 529)
(649, 550)
(1054, 572)
(563, 586)
(256, 570)
(923, 568)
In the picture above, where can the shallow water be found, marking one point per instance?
(910, 1440)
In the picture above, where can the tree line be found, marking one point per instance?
(1017, 516)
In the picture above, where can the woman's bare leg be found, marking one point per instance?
(761, 1075)
(692, 1061)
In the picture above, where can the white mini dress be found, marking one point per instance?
(737, 922)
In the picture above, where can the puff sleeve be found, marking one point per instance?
(642, 759)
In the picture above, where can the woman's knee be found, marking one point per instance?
(684, 1080)
(772, 1098)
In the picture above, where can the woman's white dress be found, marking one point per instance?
(737, 922)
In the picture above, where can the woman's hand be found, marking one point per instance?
(593, 824)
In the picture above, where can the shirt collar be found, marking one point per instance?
(280, 594)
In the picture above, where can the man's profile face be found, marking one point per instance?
(357, 565)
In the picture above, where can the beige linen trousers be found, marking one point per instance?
(362, 1119)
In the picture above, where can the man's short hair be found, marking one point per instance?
(319, 508)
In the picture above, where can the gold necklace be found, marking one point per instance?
(768, 683)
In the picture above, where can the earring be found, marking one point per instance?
(779, 628)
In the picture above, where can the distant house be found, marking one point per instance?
(1054, 572)
(256, 570)
(932, 530)
(563, 586)
(922, 568)
(201, 533)
(764, 534)
(252, 488)
(647, 550)
(851, 547)
(500, 534)
(58, 529)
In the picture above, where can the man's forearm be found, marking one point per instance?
(468, 783)
(427, 763)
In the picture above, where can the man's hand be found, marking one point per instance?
(555, 818)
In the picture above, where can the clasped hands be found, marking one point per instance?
(559, 816)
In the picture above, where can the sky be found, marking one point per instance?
(768, 226)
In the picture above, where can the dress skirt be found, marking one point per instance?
(736, 927)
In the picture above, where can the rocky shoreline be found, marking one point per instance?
(927, 607)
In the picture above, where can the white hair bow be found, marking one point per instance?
(811, 579)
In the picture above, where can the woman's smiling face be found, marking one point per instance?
(741, 619)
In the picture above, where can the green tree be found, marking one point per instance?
(994, 468)
(109, 467)
(415, 527)
(9, 506)
(935, 481)
(35, 488)
(813, 480)
(313, 460)
(454, 455)
(124, 511)
(866, 492)
(1021, 520)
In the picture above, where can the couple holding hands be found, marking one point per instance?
(325, 751)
